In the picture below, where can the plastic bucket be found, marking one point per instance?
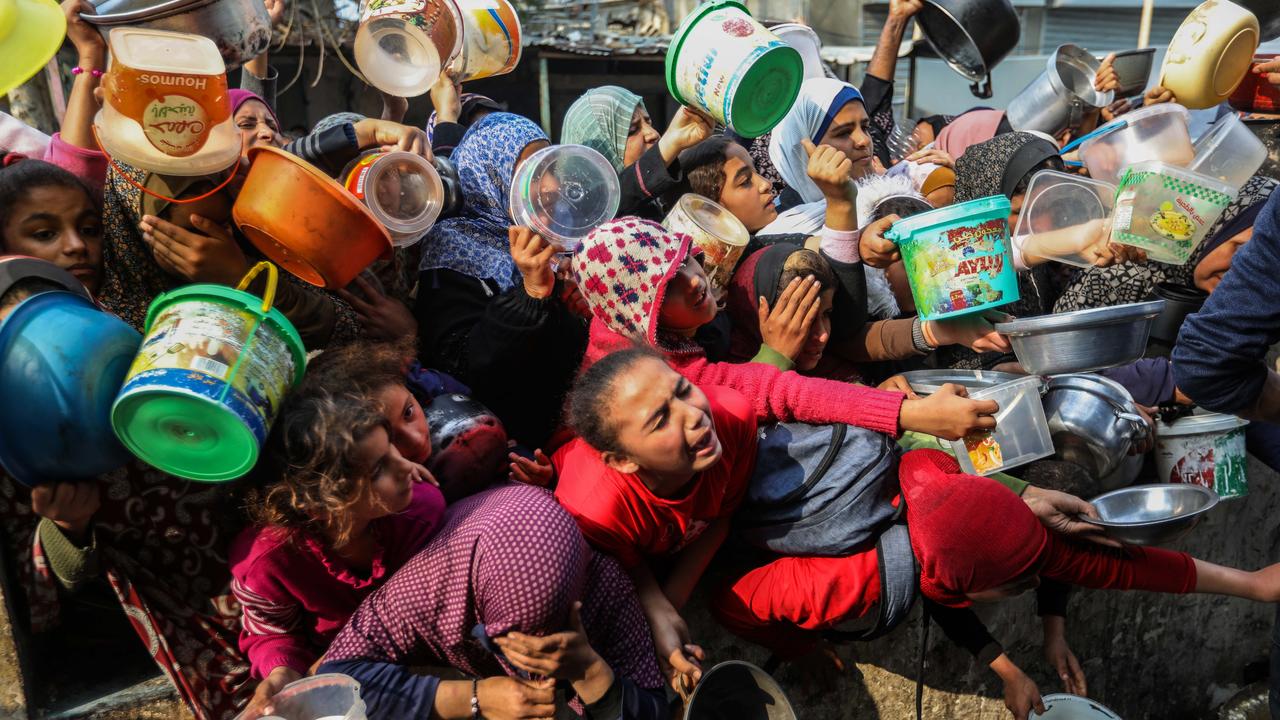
(1167, 210)
(718, 233)
(957, 258)
(563, 192)
(490, 39)
(1159, 132)
(61, 362)
(725, 63)
(331, 696)
(1207, 450)
(402, 45)
(1021, 433)
(206, 385)
(1229, 152)
(402, 190)
(1210, 53)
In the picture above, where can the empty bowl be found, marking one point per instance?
(1061, 706)
(1156, 514)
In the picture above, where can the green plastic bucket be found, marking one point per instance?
(957, 258)
(725, 63)
(204, 389)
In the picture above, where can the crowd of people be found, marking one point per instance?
(649, 423)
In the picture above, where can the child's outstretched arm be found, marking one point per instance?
(678, 656)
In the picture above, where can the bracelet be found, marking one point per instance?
(79, 70)
(475, 697)
(918, 339)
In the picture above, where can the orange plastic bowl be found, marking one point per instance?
(306, 222)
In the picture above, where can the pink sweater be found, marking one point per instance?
(777, 396)
(295, 594)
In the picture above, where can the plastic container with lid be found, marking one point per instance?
(491, 40)
(402, 45)
(1064, 217)
(1167, 210)
(1229, 152)
(1210, 54)
(165, 106)
(1021, 433)
(563, 192)
(1159, 132)
(402, 190)
(717, 232)
(1204, 449)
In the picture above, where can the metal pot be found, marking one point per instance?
(1268, 13)
(1058, 99)
(973, 36)
(1093, 421)
(1082, 340)
(240, 28)
(738, 690)
(1179, 302)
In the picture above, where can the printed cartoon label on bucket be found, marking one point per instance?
(716, 57)
(194, 346)
(1213, 460)
(491, 41)
(1166, 216)
(962, 268)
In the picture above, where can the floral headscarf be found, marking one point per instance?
(601, 120)
(474, 242)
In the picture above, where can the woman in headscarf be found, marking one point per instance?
(967, 130)
(614, 122)
(490, 310)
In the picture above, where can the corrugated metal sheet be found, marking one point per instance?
(1114, 30)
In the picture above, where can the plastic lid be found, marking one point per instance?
(806, 42)
(403, 191)
(766, 92)
(166, 52)
(31, 31)
(1200, 422)
(1061, 706)
(190, 436)
(1185, 175)
(563, 192)
(904, 229)
(713, 219)
(1057, 201)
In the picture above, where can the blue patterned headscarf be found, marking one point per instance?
(474, 242)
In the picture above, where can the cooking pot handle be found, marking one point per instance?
(1139, 428)
(982, 89)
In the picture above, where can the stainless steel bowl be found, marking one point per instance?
(927, 382)
(240, 28)
(1084, 340)
(1152, 514)
(1093, 421)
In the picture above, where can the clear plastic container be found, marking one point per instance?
(1021, 434)
(1064, 217)
(402, 45)
(402, 190)
(331, 696)
(563, 192)
(1167, 210)
(1229, 152)
(717, 232)
(1159, 132)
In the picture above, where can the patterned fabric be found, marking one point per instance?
(509, 559)
(163, 544)
(819, 101)
(601, 120)
(474, 242)
(623, 269)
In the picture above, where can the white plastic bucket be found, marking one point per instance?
(1204, 449)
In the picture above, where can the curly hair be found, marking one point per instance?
(312, 460)
(589, 401)
(363, 366)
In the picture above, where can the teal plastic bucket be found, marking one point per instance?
(957, 258)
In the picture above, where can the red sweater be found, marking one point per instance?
(775, 395)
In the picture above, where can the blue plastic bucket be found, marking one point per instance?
(957, 258)
(62, 360)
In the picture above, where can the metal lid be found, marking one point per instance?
(1081, 319)
(125, 12)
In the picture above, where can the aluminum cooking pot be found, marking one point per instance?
(736, 690)
(1058, 99)
(240, 28)
(1268, 13)
(1093, 421)
(468, 445)
(973, 36)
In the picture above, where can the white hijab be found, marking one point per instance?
(819, 101)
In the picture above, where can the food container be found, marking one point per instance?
(1167, 210)
(331, 696)
(401, 189)
(61, 362)
(1229, 152)
(205, 387)
(1206, 449)
(1179, 302)
(725, 63)
(1093, 421)
(165, 106)
(738, 689)
(1021, 433)
(241, 29)
(972, 36)
(1159, 132)
(1082, 340)
(957, 258)
(303, 220)
(1133, 69)
(563, 192)
(491, 39)
(928, 382)
(29, 37)
(1255, 93)
(1064, 218)
(1061, 706)
(17, 268)
(718, 233)
(806, 42)
(402, 45)
(1060, 97)
(1210, 53)
(1151, 514)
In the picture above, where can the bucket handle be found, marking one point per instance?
(273, 278)
(120, 171)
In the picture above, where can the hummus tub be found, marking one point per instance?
(1204, 449)
(207, 383)
(719, 234)
(1167, 210)
(725, 63)
(957, 258)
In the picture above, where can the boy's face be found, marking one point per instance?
(746, 193)
(819, 334)
(688, 303)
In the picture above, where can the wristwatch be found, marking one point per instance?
(918, 340)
